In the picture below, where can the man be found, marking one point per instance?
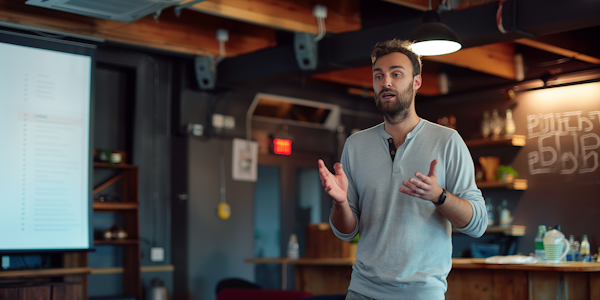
(400, 184)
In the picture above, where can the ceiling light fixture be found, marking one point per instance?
(433, 37)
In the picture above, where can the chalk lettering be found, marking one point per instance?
(594, 114)
(546, 149)
(532, 159)
(565, 120)
(551, 155)
(532, 122)
(587, 155)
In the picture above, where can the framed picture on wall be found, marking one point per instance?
(245, 160)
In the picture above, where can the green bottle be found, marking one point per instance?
(539, 251)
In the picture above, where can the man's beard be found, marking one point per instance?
(395, 112)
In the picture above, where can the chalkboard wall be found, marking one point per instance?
(560, 160)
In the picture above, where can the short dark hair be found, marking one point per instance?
(396, 45)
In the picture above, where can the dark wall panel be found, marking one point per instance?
(217, 248)
(559, 192)
(132, 113)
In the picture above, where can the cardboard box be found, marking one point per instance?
(322, 243)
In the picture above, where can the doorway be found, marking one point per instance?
(288, 196)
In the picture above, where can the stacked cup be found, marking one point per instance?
(556, 246)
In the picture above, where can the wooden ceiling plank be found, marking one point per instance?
(361, 77)
(558, 50)
(287, 15)
(365, 93)
(494, 59)
(430, 85)
(424, 4)
(187, 34)
(416, 4)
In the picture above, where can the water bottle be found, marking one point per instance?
(293, 247)
(539, 251)
(505, 218)
(585, 249)
(157, 290)
(485, 125)
(490, 211)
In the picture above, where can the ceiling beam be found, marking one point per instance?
(193, 33)
(424, 4)
(558, 50)
(342, 16)
(359, 77)
(417, 4)
(494, 59)
(362, 77)
(475, 26)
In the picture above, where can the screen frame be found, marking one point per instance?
(46, 43)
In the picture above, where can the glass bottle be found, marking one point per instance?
(505, 218)
(585, 249)
(539, 251)
(485, 125)
(490, 211)
(496, 124)
(576, 256)
(293, 247)
(509, 123)
(571, 253)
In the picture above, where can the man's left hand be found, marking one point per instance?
(425, 187)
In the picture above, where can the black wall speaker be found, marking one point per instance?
(305, 48)
(205, 72)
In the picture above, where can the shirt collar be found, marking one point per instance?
(409, 136)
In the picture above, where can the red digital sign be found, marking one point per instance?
(282, 146)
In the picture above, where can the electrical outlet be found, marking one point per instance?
(229, 122)
(218, 120)
(197, 129)
(157, 254)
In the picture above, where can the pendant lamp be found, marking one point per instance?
(433, 37)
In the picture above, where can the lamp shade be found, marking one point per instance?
(433, 37)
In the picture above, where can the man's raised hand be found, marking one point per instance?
(335, 185)
(424, 186)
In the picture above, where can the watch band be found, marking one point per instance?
(442, 198)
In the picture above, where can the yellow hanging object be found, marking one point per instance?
(223, 211)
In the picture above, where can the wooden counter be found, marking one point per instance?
(319, 276)
(571, 266)
(469, 278)
(303, 261)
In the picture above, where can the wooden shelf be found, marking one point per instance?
(143, 269)
(512, 230)
(45, 272)
(117, 242)
(128, 176)
(508, 140)
(516, 184)
(114, 166)
(99, 205)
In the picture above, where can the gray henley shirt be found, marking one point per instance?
(405, 245)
